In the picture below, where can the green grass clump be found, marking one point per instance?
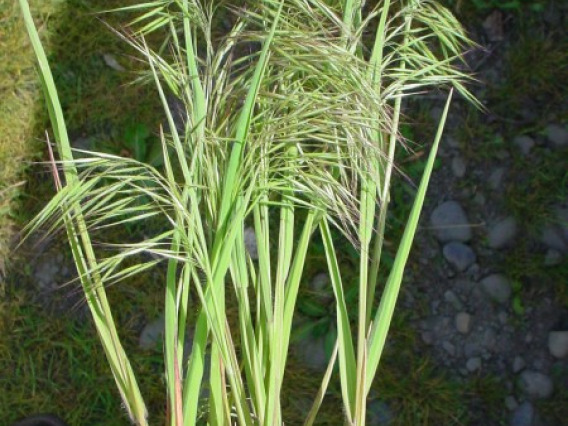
(536, 184)
(50, 374)
(305, 128)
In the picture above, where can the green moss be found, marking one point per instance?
(18, 110)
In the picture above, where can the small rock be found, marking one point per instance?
(518, 364)
(552, 257)
(502, 154)
(493, 26)
(459, 255)
(552, 237)
(536, 385)
(450, 222)
(427, 337)
(463, 322)
(555, 235)
(525, 415)
(46, 272)
(250, 243)
(525, 144)
(497, 287)
(152, 333)
(557, 134)
(320, 282)
(473, 364)
(379, 414)
(111, 62)
(449, 348)
(474, 271)
(458, 167)
(496, 178)
(502, 233)
(511, 403)
(452, 142)
(558, 343)
(479, 199)
(436, 113)
(311, 351)
(321, 287)
(502, 317)
(489, 339)
(453, 299)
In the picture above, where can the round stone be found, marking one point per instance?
(524, 415)
(463, 322)
(459, 255)
(250, 243)
(518, 364)
(495, 180)
(473, 364)
(536, 385)
(525, 144)
(552, 257)
(502, 233)
(558, 343)
(557, 134)
(449, 222)
(458, 167)
(497, 287)
(311, 351)
(152, 334)
(379, 414)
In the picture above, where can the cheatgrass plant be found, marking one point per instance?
(291, 125)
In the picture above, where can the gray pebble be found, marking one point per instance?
(46, 272)
(379, 414)
(558, 343)
(555, 235)
(552, 237)
(552, 257)
(427, 337)
(489, 339)
(473, 364)
(459, 255)
(111, 62)
(511, 403)
(502, 317)
(463, 322)
(502, 233)
(525, 144)
(518, 364)
(449, 222)
(479, 199)
(320, 282)
(250, 243)
(458, 167)
(449, 348)
(502, 154)
(557, 134)
(496, 178)
(311, 351)
(453, 299)
(536, 385)
(452, 142)
(152, 333)
(497, 287)
(525, 415)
